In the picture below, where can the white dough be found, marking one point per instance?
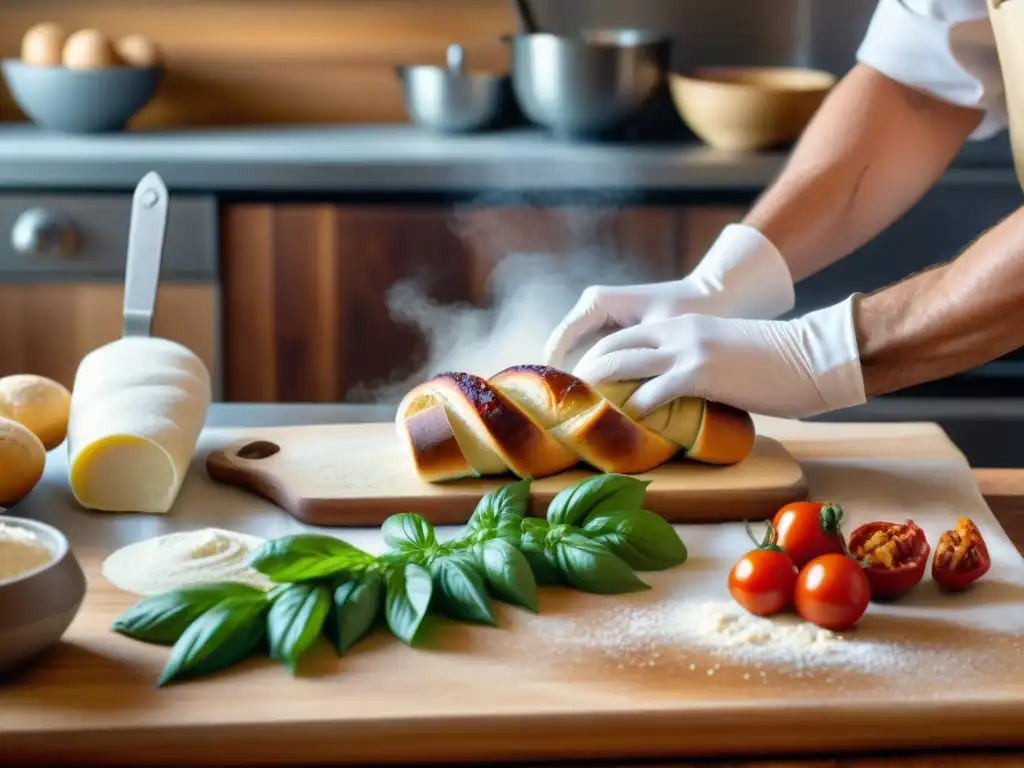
(137, 408)
(185, 559)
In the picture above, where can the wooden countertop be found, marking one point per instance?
(1004, 491)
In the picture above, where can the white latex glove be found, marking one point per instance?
(743, 275)
(789, 368)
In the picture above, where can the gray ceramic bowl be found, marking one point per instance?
(38, 606)
(80, 101)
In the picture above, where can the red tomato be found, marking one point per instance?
(832, 592)
(762, 581)
(961, 557)
(894, 555)
(806, 529)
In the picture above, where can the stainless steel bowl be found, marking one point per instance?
(451, 100)
(587, 84)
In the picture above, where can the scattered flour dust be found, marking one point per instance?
(708, 637)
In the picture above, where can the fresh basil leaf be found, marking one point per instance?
(161, 619)
(460, 590)
(500, 512)
(645, 540)
(356, 608)
(404, 554)
(534, 546)
(590, 566)
(508, 573)
(224, 635)
(308, 556)
(407, 529)
(407, 597)
(608, 492)
(295, 620)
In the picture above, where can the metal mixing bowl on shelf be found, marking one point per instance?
(451, 99)
(588, 84)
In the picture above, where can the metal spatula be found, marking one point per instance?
(145, 249)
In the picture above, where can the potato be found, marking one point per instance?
(39, 403)
(23, 459)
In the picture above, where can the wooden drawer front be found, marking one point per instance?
(100, 239)
(48, 327)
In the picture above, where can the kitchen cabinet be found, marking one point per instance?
(48, 327)
(305, 286)
(62, 271)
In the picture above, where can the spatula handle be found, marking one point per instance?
(145, 250)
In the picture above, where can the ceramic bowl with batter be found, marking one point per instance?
(39, 604)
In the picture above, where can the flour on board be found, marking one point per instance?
(679, 632)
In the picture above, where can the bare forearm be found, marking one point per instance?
(948, 319)
(872, 151)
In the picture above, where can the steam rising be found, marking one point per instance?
(528, 293)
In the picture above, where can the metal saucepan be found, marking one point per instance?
(587, 84)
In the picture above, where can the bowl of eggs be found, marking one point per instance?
(82, 82)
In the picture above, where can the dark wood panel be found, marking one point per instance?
(307, 316)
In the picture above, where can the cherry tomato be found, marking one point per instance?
(832, 592)
(806, 529)
(894, 555)
(762, 581)
(961, 557)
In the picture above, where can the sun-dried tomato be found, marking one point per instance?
(961, 557)
(894, 556)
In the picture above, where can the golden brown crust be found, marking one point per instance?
(610, 441)
(435, 451)
(501, 433)
(726, 435)
(537, 421)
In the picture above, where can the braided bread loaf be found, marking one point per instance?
(536, 421)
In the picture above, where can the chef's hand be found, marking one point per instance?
(743, 275)
(793, 368)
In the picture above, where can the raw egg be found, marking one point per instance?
(138, 51)
(89, 49)
(43, 45)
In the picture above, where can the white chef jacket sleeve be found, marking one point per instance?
(943, 47)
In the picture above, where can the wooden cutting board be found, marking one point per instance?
(590, 677)
(360, 474)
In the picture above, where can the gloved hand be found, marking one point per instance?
(789, 368)
(743, 275)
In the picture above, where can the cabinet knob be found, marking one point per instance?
(42, 233)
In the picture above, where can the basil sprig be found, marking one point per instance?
(594, 536)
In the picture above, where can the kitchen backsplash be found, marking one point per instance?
(312, 61)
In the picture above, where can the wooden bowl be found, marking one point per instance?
(749, 108)
(38, 606)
